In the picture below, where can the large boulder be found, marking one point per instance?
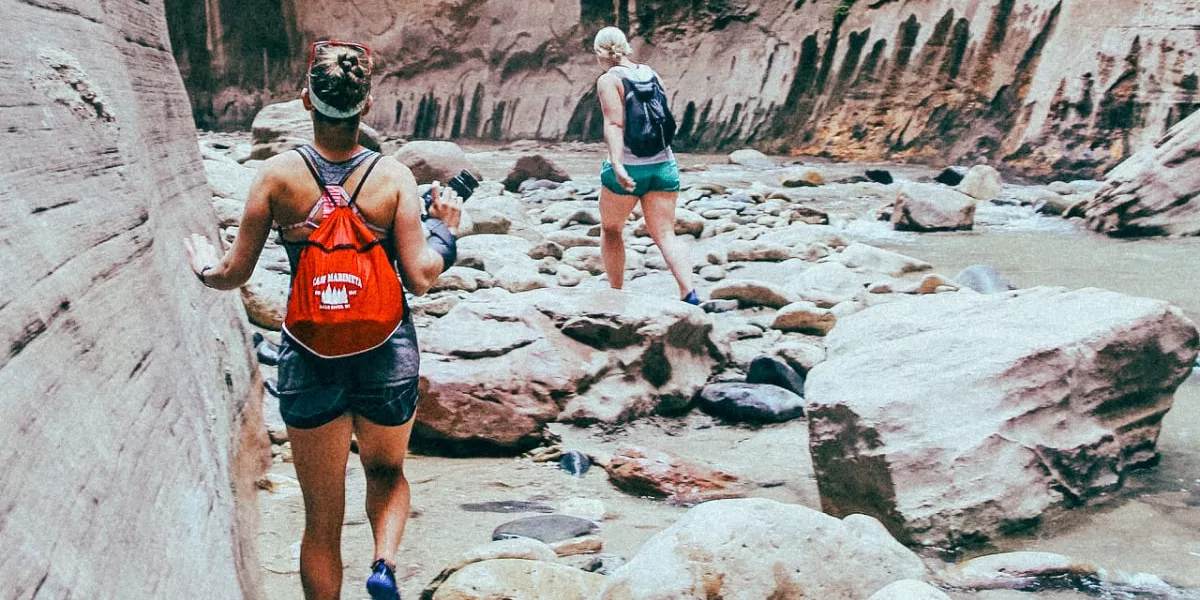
(432, 161)
(748, 157)
(1155, 192)
(755, 548)
(281, 127)
(534, 166)
(982, 182)
(132, 433)
(958, 417)
(499, 367)
(929, 207)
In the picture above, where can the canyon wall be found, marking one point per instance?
(1047, 88)
(129, 409)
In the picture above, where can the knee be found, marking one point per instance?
(612, 231)
(383, 472)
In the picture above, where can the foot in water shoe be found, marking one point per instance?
(692, 298)
(381, 585)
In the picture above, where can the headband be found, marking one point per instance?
(322, 107)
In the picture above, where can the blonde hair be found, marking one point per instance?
(611, 44)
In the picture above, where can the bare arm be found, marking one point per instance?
(236, 267)
(613, 107)
(420, 265)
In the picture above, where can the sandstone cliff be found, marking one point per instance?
(129, 428)
(1047, 87)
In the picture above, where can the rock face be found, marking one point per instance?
(127, 387)
(1003, 418)
(937, 81)
(1157, 192)
(499, 368)
(755, 548)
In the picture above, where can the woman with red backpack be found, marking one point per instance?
(638, 129)
(348, 359)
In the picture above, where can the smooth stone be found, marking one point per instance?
(751, 402)
(546, 528)
(773, 371)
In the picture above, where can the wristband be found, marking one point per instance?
(200, 275)
(442, 241)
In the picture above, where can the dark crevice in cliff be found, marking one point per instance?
(253, 50)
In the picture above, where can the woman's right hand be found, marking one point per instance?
(623, 179)
(446, 207)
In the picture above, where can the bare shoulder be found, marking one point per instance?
(280, 166)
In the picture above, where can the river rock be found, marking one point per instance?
(804, 317)
(545, 528)
(880, 176)
(982, 183)
(500, 366)
(645, 471)
(280, 127)
(751, 402)
(753, 549)
(801, 235)
(984, 279)
(568, 276)
(432, 161)
(951, 176)
(1037, 392)
(522, 548)
(801, 177)
(546, 249)
(519, 580)
(926, 207)
(878, 260)
(1154, 192)
(229, 180)
(800, 355)
(909, 589)
(747, 157)
(773, 371)
(265, 297)
(686, 223)
(753, 293)
(827, 284)
(746, 250)
(534, 166)
(1013, 570)
(587, 259)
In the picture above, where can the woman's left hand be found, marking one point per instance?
(201, 253)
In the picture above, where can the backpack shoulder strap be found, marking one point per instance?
(370, 168)
(311, 168)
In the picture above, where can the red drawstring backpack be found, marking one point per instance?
(346, 297)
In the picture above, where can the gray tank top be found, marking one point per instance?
(641, 73)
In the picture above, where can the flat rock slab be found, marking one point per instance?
(546, 528)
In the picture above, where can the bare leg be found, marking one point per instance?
(320, 457)
(659, 210)
(614, 210)
(382, 450)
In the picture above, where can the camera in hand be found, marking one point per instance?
(463, 184)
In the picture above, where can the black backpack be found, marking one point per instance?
(649, 124)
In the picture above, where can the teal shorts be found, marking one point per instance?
(658, 177)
